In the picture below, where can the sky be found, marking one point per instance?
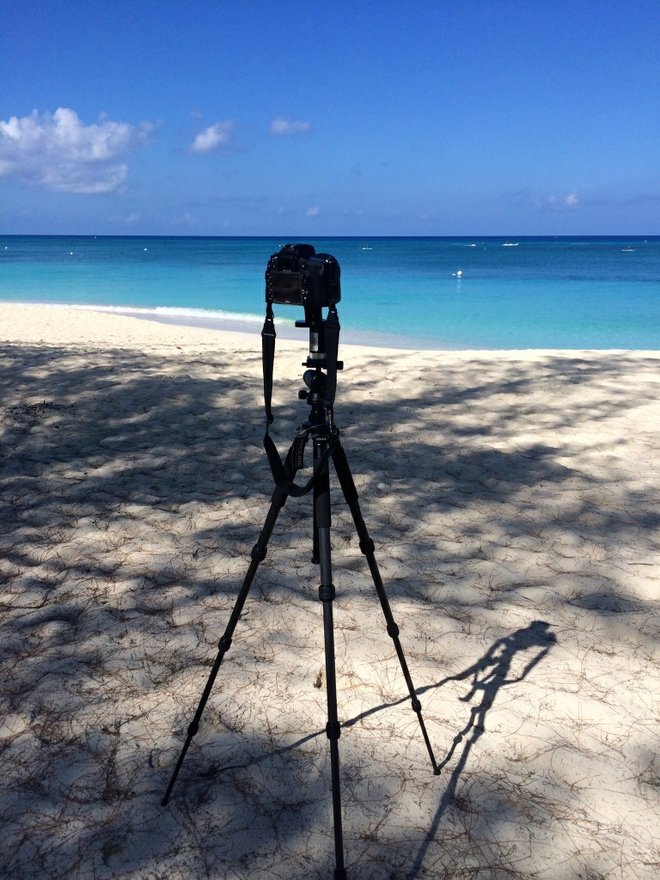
(351, 117)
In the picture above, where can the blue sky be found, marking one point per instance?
(336, 118)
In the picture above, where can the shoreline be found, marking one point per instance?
(30, 312)
(245, 324)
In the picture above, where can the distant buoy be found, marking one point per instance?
(458, 274)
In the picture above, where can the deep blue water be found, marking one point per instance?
(588, 292)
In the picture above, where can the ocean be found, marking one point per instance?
(453, 293)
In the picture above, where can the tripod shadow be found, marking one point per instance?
(488, 675)
(496, 663)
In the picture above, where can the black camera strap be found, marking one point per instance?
(268, 335)
(283, 472)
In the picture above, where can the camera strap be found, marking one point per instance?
(283, 472)
(268, 335)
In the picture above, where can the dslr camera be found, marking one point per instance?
(298, 276)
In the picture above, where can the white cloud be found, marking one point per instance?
(189, 219)
(313, 212)
(213, 138)
(283, 126)
(558, 202)
(60, 152)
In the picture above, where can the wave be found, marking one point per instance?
(173, 313)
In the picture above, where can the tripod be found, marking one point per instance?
(323, 433)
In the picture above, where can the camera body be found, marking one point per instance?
(298, 276)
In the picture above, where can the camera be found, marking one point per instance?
(298, 276)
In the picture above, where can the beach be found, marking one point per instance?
(514, 499)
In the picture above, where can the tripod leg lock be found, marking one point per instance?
(258, 553)
(393, 630)
(367, 547)
(224, 644)
(333, 730)
(327, 592)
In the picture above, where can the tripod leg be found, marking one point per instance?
(367, 547)
(258, 555)
(322, 523)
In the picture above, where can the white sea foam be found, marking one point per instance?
(201, 317)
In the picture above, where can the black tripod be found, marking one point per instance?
(320, 428)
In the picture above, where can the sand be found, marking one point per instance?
(514, 501)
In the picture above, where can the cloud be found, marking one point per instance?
(282, 127)
(60, 152)
(313, 212)
(558, 203)
(213, 138)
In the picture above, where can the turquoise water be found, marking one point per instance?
(510, 293)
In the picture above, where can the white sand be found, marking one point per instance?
(502, 490)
